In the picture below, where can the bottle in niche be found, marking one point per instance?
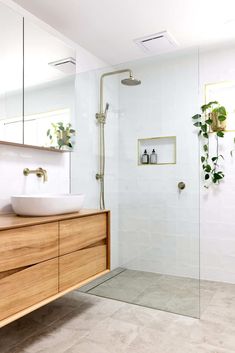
(145, 158)
(153, 157)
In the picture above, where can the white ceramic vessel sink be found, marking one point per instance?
(46, 204)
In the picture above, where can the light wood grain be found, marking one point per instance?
(28, 245)
(27, 287)
(100, 242)
(27, 281)
(79, 233)
(48, 300)
(10, 272)
(11, 220)
(80, 265)
(108, 242)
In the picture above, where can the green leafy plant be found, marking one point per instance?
(60, 135)
(212, 119)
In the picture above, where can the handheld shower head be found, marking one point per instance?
(106, 108)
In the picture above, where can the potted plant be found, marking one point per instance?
(217, 114)
(61, 135)
(212, 119)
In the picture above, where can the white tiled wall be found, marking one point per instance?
(159, 227)
(218, 203)
(156, 228)
(12, 162)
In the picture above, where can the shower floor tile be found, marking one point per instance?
(169, 293)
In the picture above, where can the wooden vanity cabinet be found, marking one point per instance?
(83, 249)
(27, 287)
(27, 246)
(80, 265)
(76, 234)
(28, 266)
(40, 262)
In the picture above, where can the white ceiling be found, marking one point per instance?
(107, 28)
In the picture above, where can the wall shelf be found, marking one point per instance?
(165, 147)
(41, 148)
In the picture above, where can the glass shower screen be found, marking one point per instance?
(151, 181)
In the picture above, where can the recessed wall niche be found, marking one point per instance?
(165, 149)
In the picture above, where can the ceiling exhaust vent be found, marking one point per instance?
(157, 43)
(67, 65)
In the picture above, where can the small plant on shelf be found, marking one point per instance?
(211, 119)
(61, 135)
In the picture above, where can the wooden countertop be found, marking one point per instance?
(11, 220)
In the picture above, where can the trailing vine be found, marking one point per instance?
(212, 119)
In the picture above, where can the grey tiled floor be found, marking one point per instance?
(83, 323)
(170, 293)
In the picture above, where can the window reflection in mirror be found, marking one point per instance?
(11, 75)
(49, 95)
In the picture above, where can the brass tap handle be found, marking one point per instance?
(40, 172)
(26, 171)
(181, 185)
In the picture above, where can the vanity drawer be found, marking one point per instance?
(28, 245)
(79, 233)
(27, 287)
(80, 265)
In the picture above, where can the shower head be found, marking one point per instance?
(130, 81)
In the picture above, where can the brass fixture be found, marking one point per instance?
(101, 119)
(181, 185)
(40, 172)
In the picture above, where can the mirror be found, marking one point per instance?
(49, 88)
(11, 75)
(37, 84)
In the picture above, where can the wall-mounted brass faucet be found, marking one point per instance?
(40, 172)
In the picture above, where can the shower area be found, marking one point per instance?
(155, 258)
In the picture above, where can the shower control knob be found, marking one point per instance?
(181, 185)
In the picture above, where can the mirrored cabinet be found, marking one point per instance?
(49, 83)
(11, 75)
(37, 85)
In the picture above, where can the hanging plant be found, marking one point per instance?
(61, 135)
(212, 119)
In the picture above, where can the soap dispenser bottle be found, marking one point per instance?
(153, 157)
(145, 158)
